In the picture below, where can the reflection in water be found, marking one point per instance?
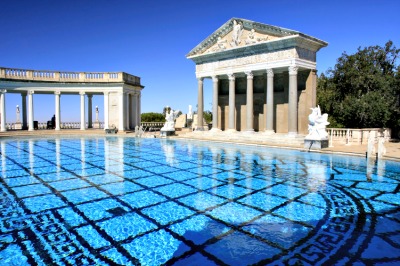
(58, 155)
(31, 154)
(169, 152)
(370, 167)
(381, 165)
(316, 176)
(3, 156)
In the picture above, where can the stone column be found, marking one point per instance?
(30, 110)
(24, 120)
(3, 110)
(57, 95)
(90, 96)
(249, 103)
(139, 109)
(127, 107)
(215, 104)
(269, 118)
(134, 110)
(83, 122)
(121, 117)
(292, 113)
(106, 94)
(200, 103)
(231, 121)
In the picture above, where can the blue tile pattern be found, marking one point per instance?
(127, 201)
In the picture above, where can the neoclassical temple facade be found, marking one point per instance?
(122, 95)
(264, 77)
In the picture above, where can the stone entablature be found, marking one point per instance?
(258, 62)
(68, 77)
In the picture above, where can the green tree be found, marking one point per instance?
(207, 115)
(152, 117)
(363, 89)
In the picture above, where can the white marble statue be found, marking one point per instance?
(251, 37)
(97, 114)
(381, 147)
(236, 33)
(317, 125)
(170, 120)
(190, 113)
(18, 115)
(371, 144)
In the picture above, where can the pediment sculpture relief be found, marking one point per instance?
(238, 37)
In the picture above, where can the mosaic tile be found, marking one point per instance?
(234, 213)
(175, 190)
(40, 203)
(202, 201)
(84, 194)
(31, 190)
(167, 212)
(163, 247)
(255, 183)
(104, 179)
(69, 184)
(240, 249)
(286, 191)
(282, 232)
(99, 209)
(196, 259)
(199, 229)
(296, 211)
(92, 236)
(116, 257)
(128, 225)
(154, 181)
(121, 188)
(56, 176)
(203, 183)
(142, 199)
(20, 181)
(180, 175)
(71, 217)
(231, 191)
(263, 201)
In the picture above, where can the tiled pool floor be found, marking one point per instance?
(126, 201)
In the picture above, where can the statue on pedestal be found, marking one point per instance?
(317, 135)
(317, 124)
(169, 126)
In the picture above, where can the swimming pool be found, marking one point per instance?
(127, 201)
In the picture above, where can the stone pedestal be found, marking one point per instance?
(96, 125)
(18, 125)
(167, 133)
(316, 144)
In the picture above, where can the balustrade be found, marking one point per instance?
(358, 136)
(64, 76)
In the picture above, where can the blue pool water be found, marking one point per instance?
(126, 201)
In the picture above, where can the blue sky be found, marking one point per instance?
(150, 39)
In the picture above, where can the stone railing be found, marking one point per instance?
(64, 76)
(152, 126)
(63, 125)
(357, 136)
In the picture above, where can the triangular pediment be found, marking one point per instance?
(239, 33)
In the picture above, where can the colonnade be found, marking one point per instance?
(129, 110)
(269, 125)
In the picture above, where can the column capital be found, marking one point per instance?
(30, 92)
(200, 78)
(57, 92)
(249, 74)
(90, 95)
(214, 78)
(106, 92)
(82, 93)
(231, 77)
(270, 72)
(3, 91)
(293, 70)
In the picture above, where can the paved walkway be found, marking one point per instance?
(392, 148)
